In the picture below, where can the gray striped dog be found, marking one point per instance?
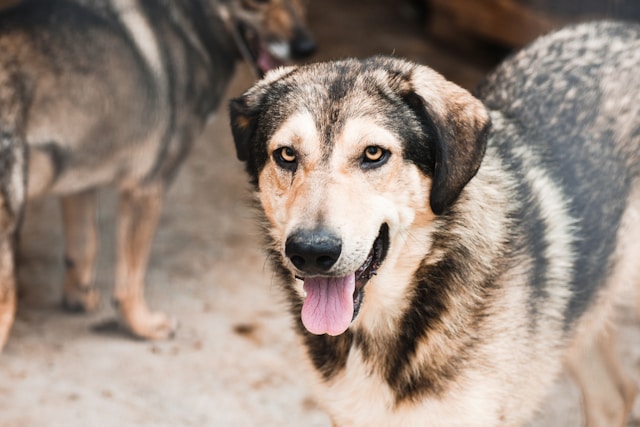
(443, 254)
(114, 92)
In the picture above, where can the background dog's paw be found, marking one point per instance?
(151, 325)
(163, 330)
(81, 300)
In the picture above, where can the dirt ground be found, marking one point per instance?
(234, 361)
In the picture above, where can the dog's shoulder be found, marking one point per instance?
(564, 68)
(566, 124)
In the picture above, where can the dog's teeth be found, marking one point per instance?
(280, 50)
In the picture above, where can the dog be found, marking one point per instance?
(114, 93)
(445, 254)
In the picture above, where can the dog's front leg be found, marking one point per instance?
(607, 393)
(81, 242)
(7, 289)
(138, 214)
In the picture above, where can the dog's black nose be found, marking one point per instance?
(302, 44)
(313, 251)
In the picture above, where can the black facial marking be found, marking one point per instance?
(420, 149)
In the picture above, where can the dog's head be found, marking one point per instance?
(268, 33)
(350, 160)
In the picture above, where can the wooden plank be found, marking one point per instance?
(503, 21)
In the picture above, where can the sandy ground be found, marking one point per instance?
(234, 361)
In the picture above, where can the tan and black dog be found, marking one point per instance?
(443, 254)
(114, 93)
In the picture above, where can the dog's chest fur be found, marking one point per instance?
(410, 358)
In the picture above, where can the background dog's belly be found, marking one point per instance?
(51, 171)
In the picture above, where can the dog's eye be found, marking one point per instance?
(286, 157)
(374, 156)
(254, 5)
(287, 154)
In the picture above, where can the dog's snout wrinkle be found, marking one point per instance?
(313, 251)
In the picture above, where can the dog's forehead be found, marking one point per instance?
(335, 92)
(337, 82)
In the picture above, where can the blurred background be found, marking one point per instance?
(235, 361)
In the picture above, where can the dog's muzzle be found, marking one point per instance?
(266, 54)
(332, 302)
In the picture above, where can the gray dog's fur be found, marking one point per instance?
(487, 237)
(114, 92)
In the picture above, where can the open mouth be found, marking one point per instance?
(370, 267)
(332, 303)
(260, 55)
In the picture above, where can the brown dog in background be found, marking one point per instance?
(114, 93)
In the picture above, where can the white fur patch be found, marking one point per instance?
(560, 232)
(140, 31)
(17, 192)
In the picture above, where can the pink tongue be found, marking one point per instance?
(328, 308)
(266, 61)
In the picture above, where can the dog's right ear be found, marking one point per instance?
(245, 111)
(243, 126)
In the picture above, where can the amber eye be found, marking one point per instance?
(374, 157)
(287, 154)
(373, 154)
(286, 157)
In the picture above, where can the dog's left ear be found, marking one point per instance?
(461, 123)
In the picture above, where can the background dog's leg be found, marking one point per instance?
(637, 289)
(607, 393)
(81, 243)
(138, 214)
(7, 289)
